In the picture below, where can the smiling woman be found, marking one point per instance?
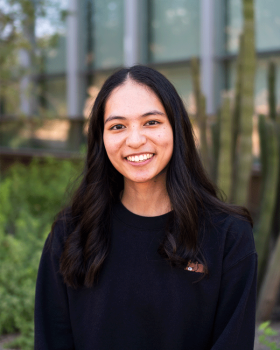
(138, 139)
(146, 256)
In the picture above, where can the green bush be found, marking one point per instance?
(30, 196)
(266, 333)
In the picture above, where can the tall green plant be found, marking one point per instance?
(215, 134)
(200, 114)
(239, 138)
(270, 286)
(240, 161)
(276, 118)
(270, 157)
(244, 149)
(276, 219)
(235, 127)
(224, 163)
(271, 90)
(270, 211)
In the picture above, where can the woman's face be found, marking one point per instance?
(137, 135)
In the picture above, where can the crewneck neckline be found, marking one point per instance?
(138, 221)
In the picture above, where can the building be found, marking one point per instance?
(101, 36)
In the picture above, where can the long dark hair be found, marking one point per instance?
(189, 188)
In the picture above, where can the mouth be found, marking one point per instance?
(140, 158)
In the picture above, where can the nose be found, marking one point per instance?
(135, 139)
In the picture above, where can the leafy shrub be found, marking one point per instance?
(30, 196)
(266, 333)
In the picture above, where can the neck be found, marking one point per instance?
(146, 199)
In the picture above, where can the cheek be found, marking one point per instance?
(166, 139)
(112, 146)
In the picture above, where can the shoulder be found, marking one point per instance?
(61, 229)
(239, 242)
(233, 237)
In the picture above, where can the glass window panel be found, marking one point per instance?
(173, 29)
(267, 15)
(234, 25)
(53, 97)
(93, 89)
(108, 33)
(51, 30)
(180, 77)
(55, 59)
(268, 24)
(219, 26)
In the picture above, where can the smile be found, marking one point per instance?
(139, 158)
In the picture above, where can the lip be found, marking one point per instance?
(144, 162)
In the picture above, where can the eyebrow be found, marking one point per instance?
(154, 112)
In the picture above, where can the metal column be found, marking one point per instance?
(72, 54)
(131, 33)
(207, 52)
(25, 83)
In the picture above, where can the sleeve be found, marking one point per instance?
(234, 326)
(52, 321)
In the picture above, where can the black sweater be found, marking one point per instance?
(141, 302)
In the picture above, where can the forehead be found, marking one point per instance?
(132, 98)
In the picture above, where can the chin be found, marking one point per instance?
(138, 179)
(143, 179)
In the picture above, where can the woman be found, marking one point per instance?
(146, 256)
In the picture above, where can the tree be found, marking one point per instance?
(22, 50)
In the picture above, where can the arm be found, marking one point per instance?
(234, 326)
(52, 321)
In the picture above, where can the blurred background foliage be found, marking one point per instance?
(28, 30)
(30, 198)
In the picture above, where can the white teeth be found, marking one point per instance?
(139, 158)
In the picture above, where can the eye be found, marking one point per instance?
(152, 122)
(117, 127)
